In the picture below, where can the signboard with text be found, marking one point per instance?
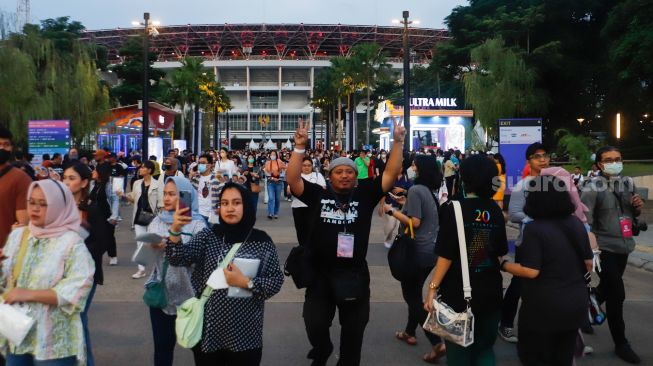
(48, 137)
(515, 134)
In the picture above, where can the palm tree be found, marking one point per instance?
(325, 97)
(371, 67)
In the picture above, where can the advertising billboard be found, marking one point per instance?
(515, 134)
(48, 137)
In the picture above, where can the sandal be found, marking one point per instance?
(436, 353)
(409, 339)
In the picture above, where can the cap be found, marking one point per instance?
(343, 161)
(100, 152)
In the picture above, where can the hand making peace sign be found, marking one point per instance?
(301, 134)
(399, 130)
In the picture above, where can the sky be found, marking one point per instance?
(109, 14)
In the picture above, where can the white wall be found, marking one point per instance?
(294, 100)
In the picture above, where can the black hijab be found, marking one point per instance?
(236, 233)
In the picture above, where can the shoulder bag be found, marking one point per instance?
(401, 256)
(155, 292)
(15, 322)
(445, 321)
(144, 218)
(190, 314)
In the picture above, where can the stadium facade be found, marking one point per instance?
(269, 70)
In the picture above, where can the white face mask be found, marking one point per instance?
(613, 169)
(410, 172)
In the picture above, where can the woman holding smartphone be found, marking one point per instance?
(178, 287)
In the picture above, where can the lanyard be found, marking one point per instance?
(340, 206)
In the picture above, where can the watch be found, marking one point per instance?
(433, 286)
(502, 266)
(250, 285)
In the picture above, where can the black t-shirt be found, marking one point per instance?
(118, 171)
(328, 221)
(380, 165)
(485, 234)
(556, 299)
(58, 168)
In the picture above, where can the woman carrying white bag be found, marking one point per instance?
(485, 239)
(49, 271)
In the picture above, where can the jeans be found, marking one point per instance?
(163, 331)
(510, 303)
(254, 197)
(139, 230)
(481, 352)
(90, 361)
(319, 310)
(28, 360)
(611, 290)
(251, 357)
(274, 197)
(411, 289)
(546, 348)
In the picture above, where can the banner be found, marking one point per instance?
(48, 137)
(515, 134)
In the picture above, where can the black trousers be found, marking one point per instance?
(163, 332)
(111, 241)
(302, 221)
(319, 311)
(250, 357)
(411, 289)
(547, 348)
(510, 303)
(611, 290)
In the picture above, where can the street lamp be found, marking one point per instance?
(406, 22)
(148, 28)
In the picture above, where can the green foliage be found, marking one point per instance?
(500, 85)
(577, 147)
(130, 73)
(47, 73)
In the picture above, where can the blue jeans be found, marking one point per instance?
(28, 360)
(274, 197)
(90, 361)
(163, 331)
(254, 197)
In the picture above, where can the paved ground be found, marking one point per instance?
(121, 332)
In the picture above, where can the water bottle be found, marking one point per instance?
(597, 316)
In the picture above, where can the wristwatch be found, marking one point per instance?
(502, 265)
(389, 212)
(433, 286)
(250, 285)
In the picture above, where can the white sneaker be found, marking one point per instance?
(387, 245)
(587, 350)
(113, 261)
(139, 274)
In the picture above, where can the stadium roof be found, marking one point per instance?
(269, 41)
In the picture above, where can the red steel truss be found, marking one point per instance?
(270, 41)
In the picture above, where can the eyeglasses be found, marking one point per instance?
(37, 204)
(544, 156)
(610, 161)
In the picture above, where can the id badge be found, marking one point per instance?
(626, 227)
(345, 245)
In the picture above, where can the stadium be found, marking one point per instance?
(269, 70)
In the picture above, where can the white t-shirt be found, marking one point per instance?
(228, 168)
(314, 177)
(204, 202)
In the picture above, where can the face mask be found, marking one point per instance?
(72, 157)
(166, 166)
(613, 169)
(273, 158)
(201, 168)
(4, 156)
(250, 160)
(410, 172)
(383, 156)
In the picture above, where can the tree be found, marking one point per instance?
(130, 73)
(325, 97)
(577, 147)
(500, 85)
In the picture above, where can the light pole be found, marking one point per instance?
(406, 46)
(147, 28)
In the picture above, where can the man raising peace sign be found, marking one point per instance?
(337, 247)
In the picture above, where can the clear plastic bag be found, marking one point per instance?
(450, 325)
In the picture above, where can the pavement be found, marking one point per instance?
(121, 331)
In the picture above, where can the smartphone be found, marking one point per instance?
(185, 201)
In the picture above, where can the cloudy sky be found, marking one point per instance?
(105, 14)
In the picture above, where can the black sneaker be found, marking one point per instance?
(587, 330)
(269, 217)
(626, 353)
(507, 334)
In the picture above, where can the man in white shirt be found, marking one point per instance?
(207, 186)
(300, 212)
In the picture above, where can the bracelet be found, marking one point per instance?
(172, 233)
(299, 151)
(433, 286)
(503, 263)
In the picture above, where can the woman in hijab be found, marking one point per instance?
(177, 277)
(47, 267)
(233, 315)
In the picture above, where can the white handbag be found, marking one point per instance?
(443, 320)
(15, 323)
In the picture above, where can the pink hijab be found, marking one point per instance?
(62, 215)
(564, 175)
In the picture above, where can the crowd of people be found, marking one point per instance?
(194, 219)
